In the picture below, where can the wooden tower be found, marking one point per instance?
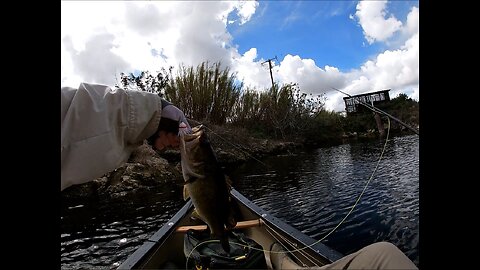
(353, 105)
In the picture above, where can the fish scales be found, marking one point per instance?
(206, 185)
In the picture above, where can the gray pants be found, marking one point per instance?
(381, 255)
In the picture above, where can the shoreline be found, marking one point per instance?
(146, 171)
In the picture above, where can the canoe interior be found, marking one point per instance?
(164, 250)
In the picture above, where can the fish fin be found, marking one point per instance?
(188, 172)
(191, 179)
(186, 195)
(195, 215)
(197, 128)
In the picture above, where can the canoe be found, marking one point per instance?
(284, 247)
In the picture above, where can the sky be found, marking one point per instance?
(354, 46)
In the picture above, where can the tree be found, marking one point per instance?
(146, 81)
(207, 93)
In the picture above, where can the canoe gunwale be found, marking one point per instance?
(328, 253)
(144, 253)
(157, 239)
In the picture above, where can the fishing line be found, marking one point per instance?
(323, 238)
(328, 234)
(193, 249)
(225, 140)
(281, 243)
(363, 191)
(238, 244)
(306, 255)
(377, 110)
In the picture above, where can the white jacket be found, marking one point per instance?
(101, 127)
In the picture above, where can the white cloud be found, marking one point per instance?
(412, 25)
(101, 38)
(246, 9)
(126, 36)
(335, 102)
(397, 70)
(148, 19)
(310, 77)
(372, 19)
(251, 71)
(201, 37)
(292, 69)
(415, 94)
(96, 63)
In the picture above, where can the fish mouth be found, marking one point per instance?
(191, 154)
(196, 132)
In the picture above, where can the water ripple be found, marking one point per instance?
(312, 191)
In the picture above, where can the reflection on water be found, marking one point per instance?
(312, 191)
(95, 236)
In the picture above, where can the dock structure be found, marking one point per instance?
(355, 105)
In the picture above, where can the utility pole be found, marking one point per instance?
(270, 67)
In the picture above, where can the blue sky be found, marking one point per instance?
(354, 46)
(305, 28)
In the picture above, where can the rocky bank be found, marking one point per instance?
(146, 172)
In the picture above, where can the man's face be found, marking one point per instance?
(165, 140)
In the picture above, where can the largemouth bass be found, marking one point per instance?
(206, 184)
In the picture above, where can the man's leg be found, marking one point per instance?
(381, 255)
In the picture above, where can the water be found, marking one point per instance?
(312, 191)
(99, 236)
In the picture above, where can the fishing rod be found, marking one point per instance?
(377, 110)
(301, 249)
(228, 142)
